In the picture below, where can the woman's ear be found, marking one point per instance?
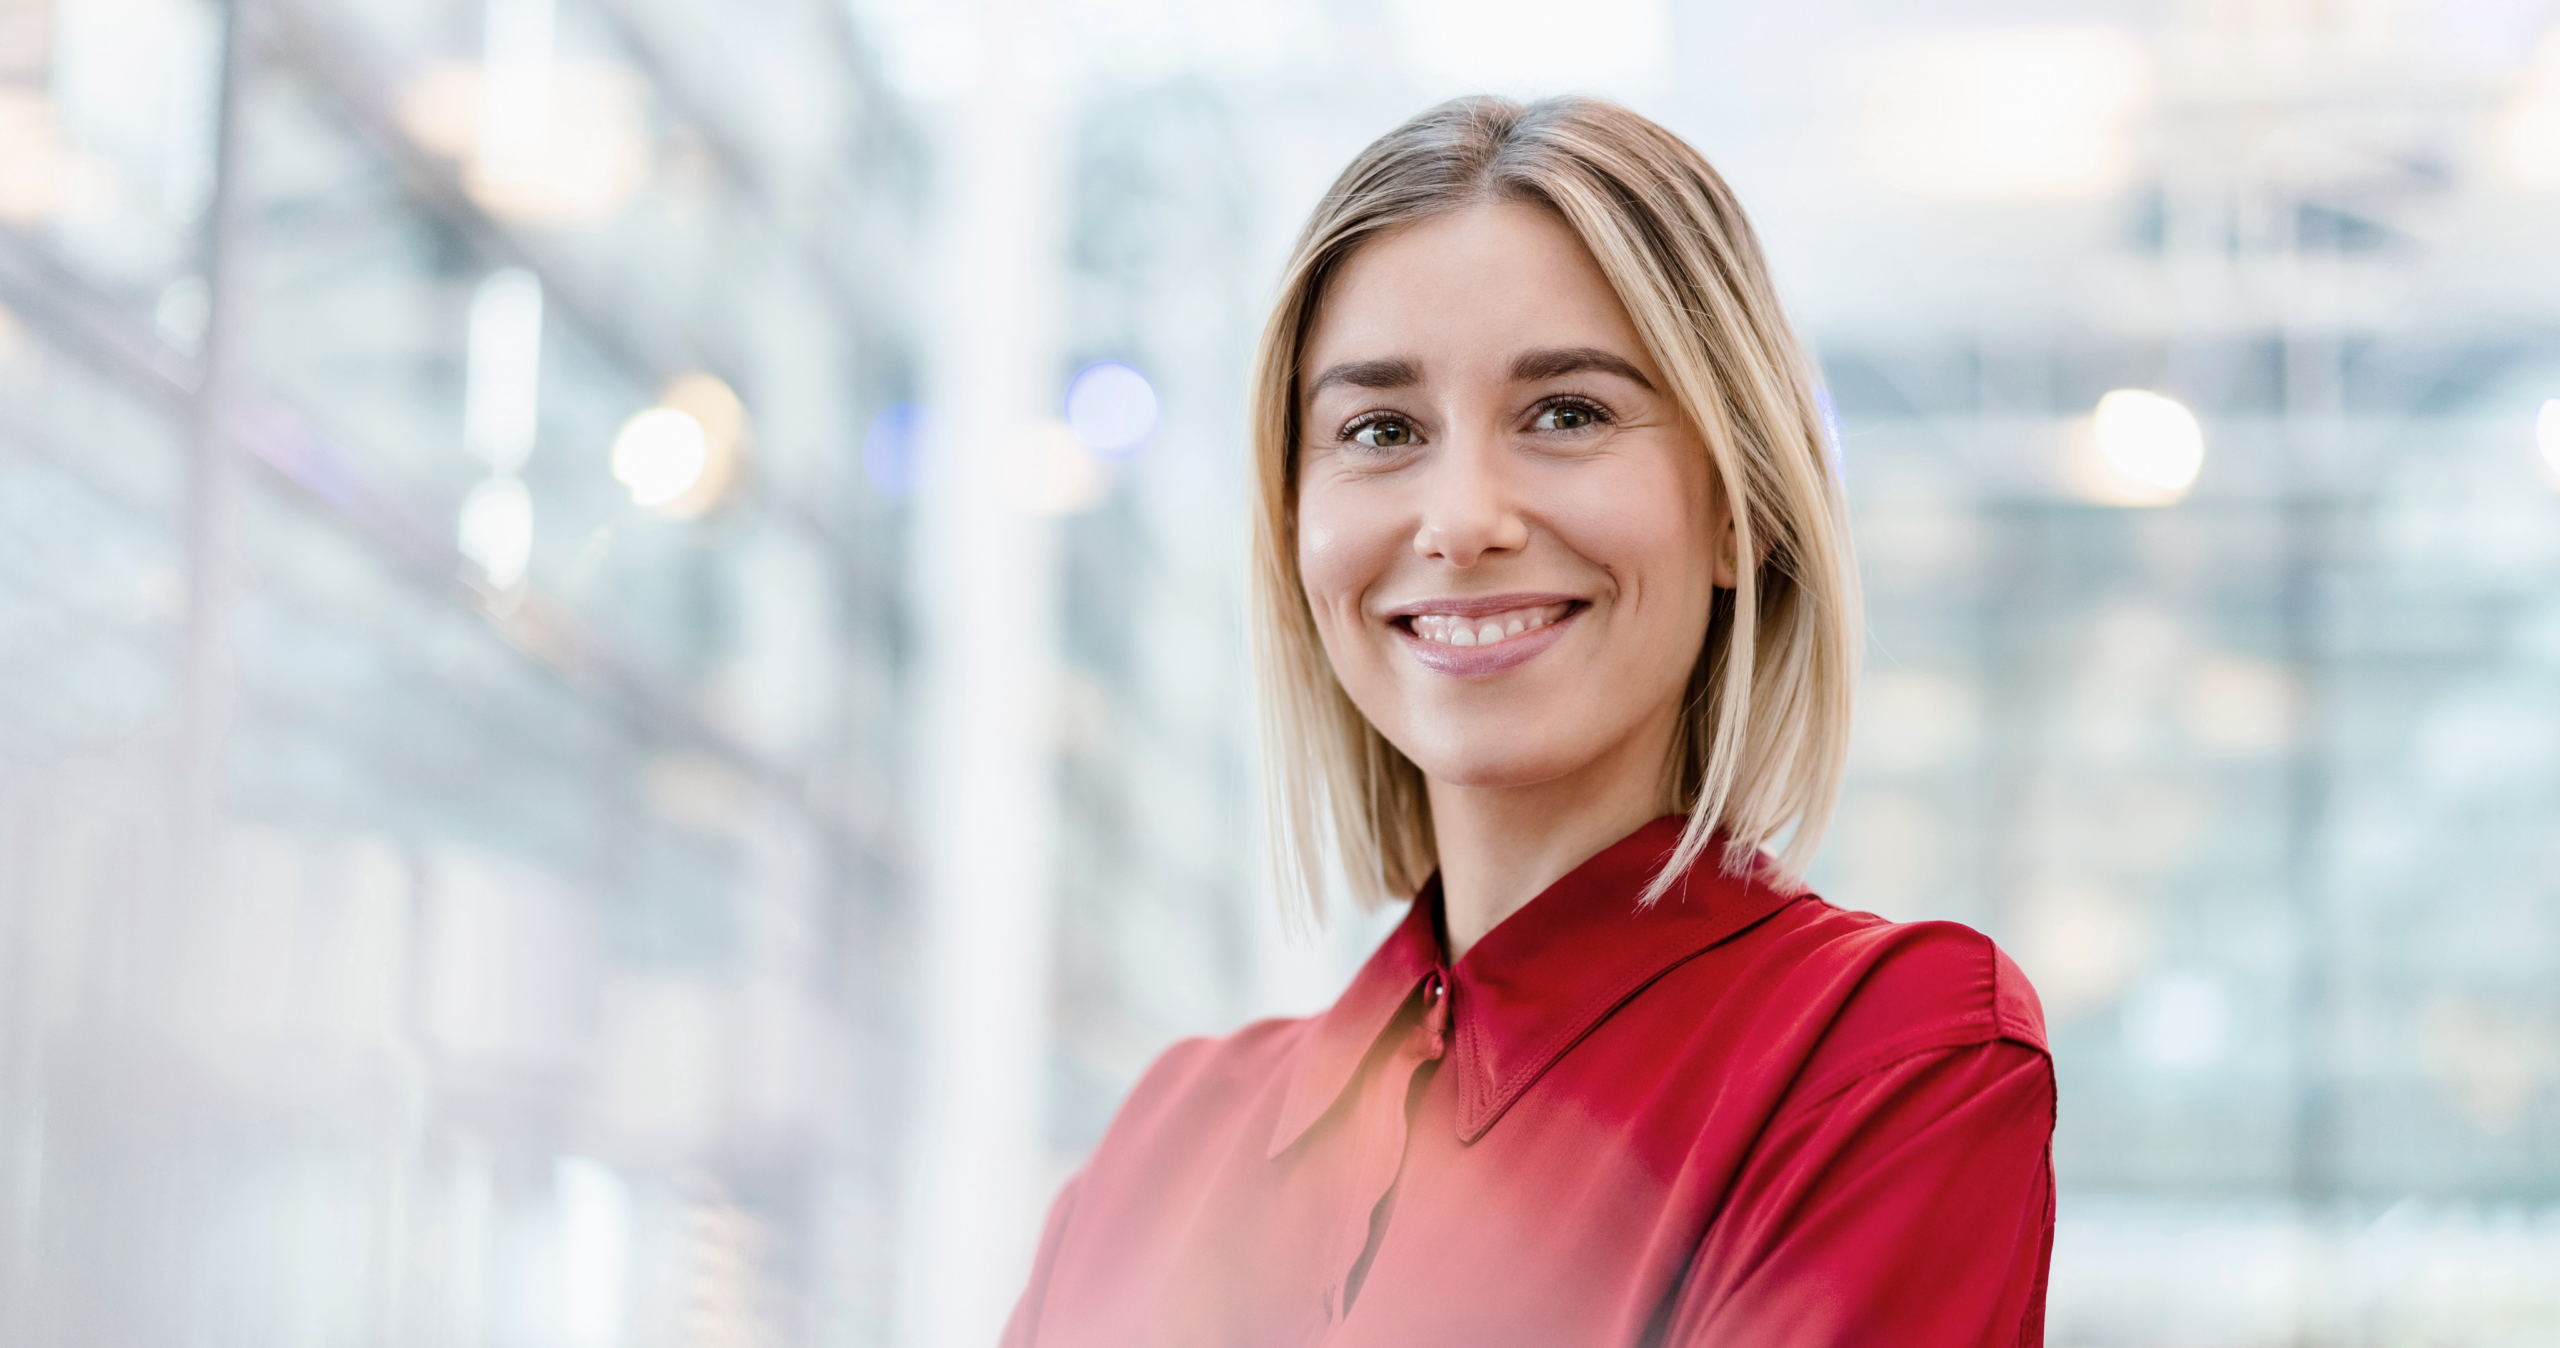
(1728, 565)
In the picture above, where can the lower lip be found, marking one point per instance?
(1475, 662)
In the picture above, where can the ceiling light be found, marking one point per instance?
(496, 529)
(573, 151)
(502, 370)
(2030, 113)
(681, 457)
(2152, 439)
(2525, 137)
(660, 455)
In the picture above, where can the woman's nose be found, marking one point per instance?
(1468, 507)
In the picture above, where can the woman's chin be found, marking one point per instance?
(1496, 770)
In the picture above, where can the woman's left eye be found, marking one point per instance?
(1566, 417)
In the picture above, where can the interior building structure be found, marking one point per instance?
(595, 748)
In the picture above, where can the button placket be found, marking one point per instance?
(1383, 1130)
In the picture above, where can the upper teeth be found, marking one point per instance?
(1451, 630)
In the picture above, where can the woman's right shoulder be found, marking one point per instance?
(1211, 1084)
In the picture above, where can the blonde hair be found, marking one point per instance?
(1760, 746)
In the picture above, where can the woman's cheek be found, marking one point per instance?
(1316, 564)
(1627, 524)
(1337, 562)
(1641, 526)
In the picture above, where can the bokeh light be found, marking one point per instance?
(2525, 138)
(502, 373)
(1049, 471)
(2151, 439)
(595, 1251)
(893, 448)
(660, 455)
(496, 529)
(539, 137)
(1112, 409)
(682, 457)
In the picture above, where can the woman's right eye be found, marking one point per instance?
(1387, 433)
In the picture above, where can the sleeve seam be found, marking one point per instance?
(2010, 1027)
(1981, 1023)
(1893, 1055)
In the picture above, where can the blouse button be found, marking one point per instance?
(1432, 989)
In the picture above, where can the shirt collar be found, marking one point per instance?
(1535, 984)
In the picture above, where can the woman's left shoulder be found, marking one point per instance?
(1909, 986)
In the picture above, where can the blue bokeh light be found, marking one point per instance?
(893, 449)
(1112, 409)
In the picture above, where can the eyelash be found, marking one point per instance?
(1599, 416)
(1364, 421)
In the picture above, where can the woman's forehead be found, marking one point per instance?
(1465, 294)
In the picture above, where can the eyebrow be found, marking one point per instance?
(1550, 364)
(1389, 372)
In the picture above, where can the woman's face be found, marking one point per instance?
(1506, 528)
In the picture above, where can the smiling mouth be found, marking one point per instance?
(1488, 629)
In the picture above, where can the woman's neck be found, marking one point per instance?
(1502, 846)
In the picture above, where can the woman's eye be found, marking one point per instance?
(1384, 435)
(1567, 417)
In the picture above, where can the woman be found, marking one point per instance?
(1558, 624)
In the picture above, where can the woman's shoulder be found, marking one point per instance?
(1203, 1080)
(1904, 987)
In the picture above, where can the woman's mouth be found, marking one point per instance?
(1451, 629)
(1472, 638)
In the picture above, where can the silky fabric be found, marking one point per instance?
(1740, 1116)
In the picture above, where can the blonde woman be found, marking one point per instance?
(1558, 624)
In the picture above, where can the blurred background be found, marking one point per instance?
(622, 695)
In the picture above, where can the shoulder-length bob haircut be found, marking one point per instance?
(1760, 747)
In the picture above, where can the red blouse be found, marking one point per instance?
(1739, 1117)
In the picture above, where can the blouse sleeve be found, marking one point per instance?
(1023, 1330)
(1913, 1206)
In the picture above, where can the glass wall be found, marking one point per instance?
(451, 869)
